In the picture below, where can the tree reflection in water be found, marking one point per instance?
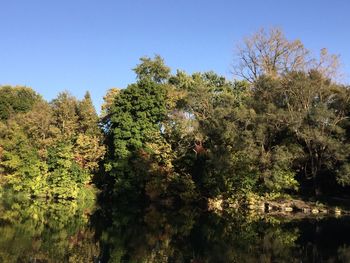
(191, 235)
(39, 231)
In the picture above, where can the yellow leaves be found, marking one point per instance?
(271, 53)
(109, 100)
(88, 151)
(173, 96)
(328, 64)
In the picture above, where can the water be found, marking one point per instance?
(39, 231)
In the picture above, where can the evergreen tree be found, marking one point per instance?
(87, 117)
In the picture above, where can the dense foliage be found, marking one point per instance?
(48, 149)
(283, 128)
(201, 135)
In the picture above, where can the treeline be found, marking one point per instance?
(51, 149)
(282, 128)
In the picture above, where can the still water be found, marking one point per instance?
(39, 231)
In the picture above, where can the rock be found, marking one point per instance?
(306, 210)
(337, 211)
(288, 209)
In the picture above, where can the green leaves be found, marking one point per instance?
(137, 112)
(153, 70)
(15, 100)
(179, 136)
(134, 121)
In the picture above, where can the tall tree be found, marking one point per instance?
(270, 53)
(140, 157)
(39, 126)
(152, 69)
(64, 109)
(87, 116)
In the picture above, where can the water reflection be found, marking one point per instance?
(39, 231)
(189, 235)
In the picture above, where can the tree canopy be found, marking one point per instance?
(48, 149)
(283, 128)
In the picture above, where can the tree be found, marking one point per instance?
(88, 151)
(20, 166)
(39, 126)
(65, 176)
(152, 69)
(87, 117)
(140, 157)
(14, 100)
(272, 54)
(65, 116)
(305, 113)
(88, 148)
(269, 53)
(108, 101)
(47, 149)
(135, 116)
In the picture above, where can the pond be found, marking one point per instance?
(40, 231)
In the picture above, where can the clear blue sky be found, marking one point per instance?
(79, 45)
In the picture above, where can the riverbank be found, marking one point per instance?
(285, 206)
